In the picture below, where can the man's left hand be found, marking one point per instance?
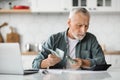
(78, 63)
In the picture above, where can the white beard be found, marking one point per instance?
(78, 38)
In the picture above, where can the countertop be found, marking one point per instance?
(110, 74)
(112, 52)
(105, 52)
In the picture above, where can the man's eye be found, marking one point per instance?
(79, 25)
(86, 26)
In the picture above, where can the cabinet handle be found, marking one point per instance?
(65, 9)
(94, 8)
(90, 9)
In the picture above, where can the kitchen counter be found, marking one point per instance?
(15, 11)
(110, 74)
(112, 52)
(30, 53)
(105, 52)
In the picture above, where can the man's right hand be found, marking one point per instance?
(50, 61)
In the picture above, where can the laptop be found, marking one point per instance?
(11, 60)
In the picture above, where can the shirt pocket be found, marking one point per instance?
(85, 54)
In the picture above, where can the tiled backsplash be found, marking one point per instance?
(34, 28)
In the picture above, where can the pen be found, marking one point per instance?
(45, 71)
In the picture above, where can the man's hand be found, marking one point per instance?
(53, 59)
(50, 61)
(78, 63)
(81, 63)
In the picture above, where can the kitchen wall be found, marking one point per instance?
(106, 27)
(35, 28)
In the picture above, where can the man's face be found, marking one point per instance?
(78, 26)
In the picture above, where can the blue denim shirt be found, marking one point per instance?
(88, 48)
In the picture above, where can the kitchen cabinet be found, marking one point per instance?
(118, 5)
(96, 5)
(46, 5)
(113, 57)
(115, 60)
(50, 5)
(66, 5)
(110, 59)
(27, 61)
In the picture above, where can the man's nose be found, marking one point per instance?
(83, 29)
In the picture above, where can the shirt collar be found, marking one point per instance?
(66, 37)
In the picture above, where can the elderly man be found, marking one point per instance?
(75, 42)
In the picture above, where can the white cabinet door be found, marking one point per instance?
(118, 5)
(115, 60)
(33, 5)
(91, 3)
(108, 59)
(46, 5)
(97, 5)
(27, 61)
(107, 6)
(114, 5)
(66, 5)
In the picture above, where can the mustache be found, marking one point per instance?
(82, 34)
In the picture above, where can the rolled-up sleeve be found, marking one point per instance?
(43, 54)
(37, 61)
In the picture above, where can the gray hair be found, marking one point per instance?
(79, 10)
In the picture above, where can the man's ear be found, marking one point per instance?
(69, 22)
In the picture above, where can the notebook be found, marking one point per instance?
(11, 60)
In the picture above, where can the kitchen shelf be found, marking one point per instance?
(30, 53)
(112, 52)
(15, 11)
